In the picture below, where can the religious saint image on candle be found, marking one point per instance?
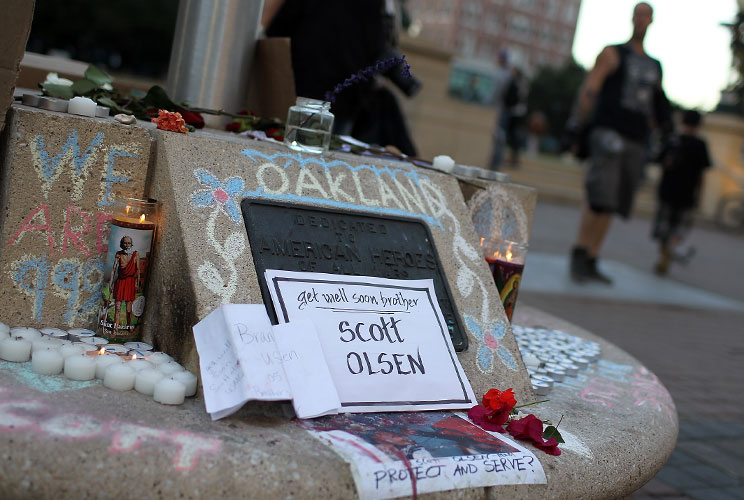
(506, 261)
(125, 273)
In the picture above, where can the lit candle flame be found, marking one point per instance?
(134, 356)
(102, 351)
(142, 218)
(509, 255)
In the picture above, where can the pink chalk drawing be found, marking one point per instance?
(601, 391)
(28, 226)
(35, 416)
(75, 236)
(649, 391)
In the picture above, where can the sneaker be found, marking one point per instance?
(683, 256)
(594, 273)
(579, 265)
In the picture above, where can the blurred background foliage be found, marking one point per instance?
(132, 37)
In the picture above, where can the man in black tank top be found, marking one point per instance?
(619, 98)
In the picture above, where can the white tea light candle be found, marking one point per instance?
(4, 330)
(139, 346)
(26, 332)
(140, 364)
(56, 333)
(99, 341)
(15, 349)
(170, 367)
(77, 334)
(86, 347)
(80, 367)
(82, 106)
(120, 377)
(47, 362)
(70, 350)
(104, 361)
(116, 349)
(158, 357)
(169, 392)
(146, 380)
(45, 343)
(188, 379)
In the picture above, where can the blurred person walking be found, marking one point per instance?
(501, 82)
(683, 161)
(515, 111)
(619, 100)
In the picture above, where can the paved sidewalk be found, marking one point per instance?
(687, 328)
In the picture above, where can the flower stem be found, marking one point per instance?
(530, 404)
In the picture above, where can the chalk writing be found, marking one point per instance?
(38, 417)
(384, 190)
(66, 233)
(601, 391)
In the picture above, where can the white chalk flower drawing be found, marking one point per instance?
(220, 196)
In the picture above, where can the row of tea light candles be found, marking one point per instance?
(122, 368)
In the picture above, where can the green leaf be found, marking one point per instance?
(57, 90)
(82, 87)
(157, 98)
(552, 431)
(97, 76)
(110, 103)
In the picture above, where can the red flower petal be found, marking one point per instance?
(233, 127)
(531, 428)
(193, 119)
(483, 417)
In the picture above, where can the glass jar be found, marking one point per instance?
(309, 125)
(129, 257)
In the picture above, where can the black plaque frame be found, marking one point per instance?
(408, 252)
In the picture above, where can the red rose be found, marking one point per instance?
(497, 400)
(193, 119)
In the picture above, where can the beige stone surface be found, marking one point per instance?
(200, 181)
(60, 174)
(65, 439)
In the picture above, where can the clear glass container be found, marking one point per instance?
(309, 125)
(129, 258)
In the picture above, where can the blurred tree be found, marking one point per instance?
(128, 37)
(552, 93)
(732, 99)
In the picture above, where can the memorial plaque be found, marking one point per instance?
(300, 238)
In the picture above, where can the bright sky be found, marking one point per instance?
(685, 36)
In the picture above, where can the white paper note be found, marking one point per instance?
(238, 359)
(386, 342)
(313, 391)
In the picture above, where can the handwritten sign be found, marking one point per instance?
(238, 359)
(313, 390)
(396, 455)
(385, 341)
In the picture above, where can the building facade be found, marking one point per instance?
(534, 32)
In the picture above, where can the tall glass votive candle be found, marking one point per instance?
(506, 260)
(133, 229)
